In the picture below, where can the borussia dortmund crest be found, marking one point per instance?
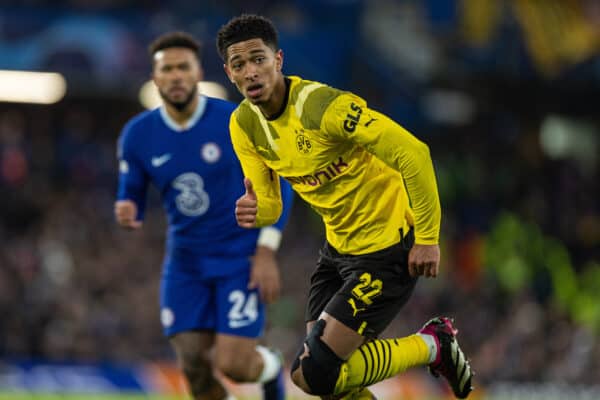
(303, 143)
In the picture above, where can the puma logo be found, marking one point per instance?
(355, 310)
(371, 120)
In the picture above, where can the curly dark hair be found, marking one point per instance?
(246, 27)
(175, 39)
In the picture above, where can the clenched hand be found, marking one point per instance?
(126, 213)
(424, 260)
(264, 275)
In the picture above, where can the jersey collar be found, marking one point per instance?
(288, 84)
(200, 108)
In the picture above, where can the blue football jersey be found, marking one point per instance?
(197, 174)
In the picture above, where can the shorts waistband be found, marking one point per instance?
(406, 240)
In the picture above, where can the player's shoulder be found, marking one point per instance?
(243, 109)
(139, 123)
(313, 100)
(246, 117)
(135, 131)
(221, 105)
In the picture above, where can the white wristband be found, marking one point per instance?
(269, 237)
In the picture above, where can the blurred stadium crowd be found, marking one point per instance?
(504, 92)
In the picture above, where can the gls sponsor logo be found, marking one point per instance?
(352, 118)
(319, 177)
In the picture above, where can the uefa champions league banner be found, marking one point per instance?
(80, 378)
(77, 378)
(165, 379)
(89, 378)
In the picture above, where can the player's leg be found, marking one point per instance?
(187, 315)
(325, 282)
(377, 288)
(357, 393)
(194, 360)
(435, 345)
(240, 322)
(242, 359)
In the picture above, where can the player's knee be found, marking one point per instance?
(232, 365)
(316, 373)
(298, 379)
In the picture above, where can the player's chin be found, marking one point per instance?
(177, 101)
(255, 98)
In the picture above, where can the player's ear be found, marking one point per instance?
(228, 73)
(152, 77)
(200, 72)
(153, 70)
(279, 60)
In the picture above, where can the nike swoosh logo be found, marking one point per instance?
(239, 323)
(158, 161)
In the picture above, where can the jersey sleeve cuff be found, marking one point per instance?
(269, 237)
(426, 241)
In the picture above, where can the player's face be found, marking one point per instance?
(176, 73)
(255, 69)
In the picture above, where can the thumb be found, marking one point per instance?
(249, 189)
(252, 282)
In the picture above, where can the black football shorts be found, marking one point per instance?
(364, 292)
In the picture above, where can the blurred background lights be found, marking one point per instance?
(451, 107)
(566, 137)
(554, 137)
(150, 98)
(31, 87)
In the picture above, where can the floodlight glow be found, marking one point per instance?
(32, 87)
(554, 136)
(150, 98)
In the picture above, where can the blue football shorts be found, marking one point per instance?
(209, 294)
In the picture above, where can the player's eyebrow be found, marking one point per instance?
(180, 64)
(252, 52)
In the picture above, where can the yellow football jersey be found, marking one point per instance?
(352, 164)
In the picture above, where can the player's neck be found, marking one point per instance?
(273, 108)
(181, 117)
